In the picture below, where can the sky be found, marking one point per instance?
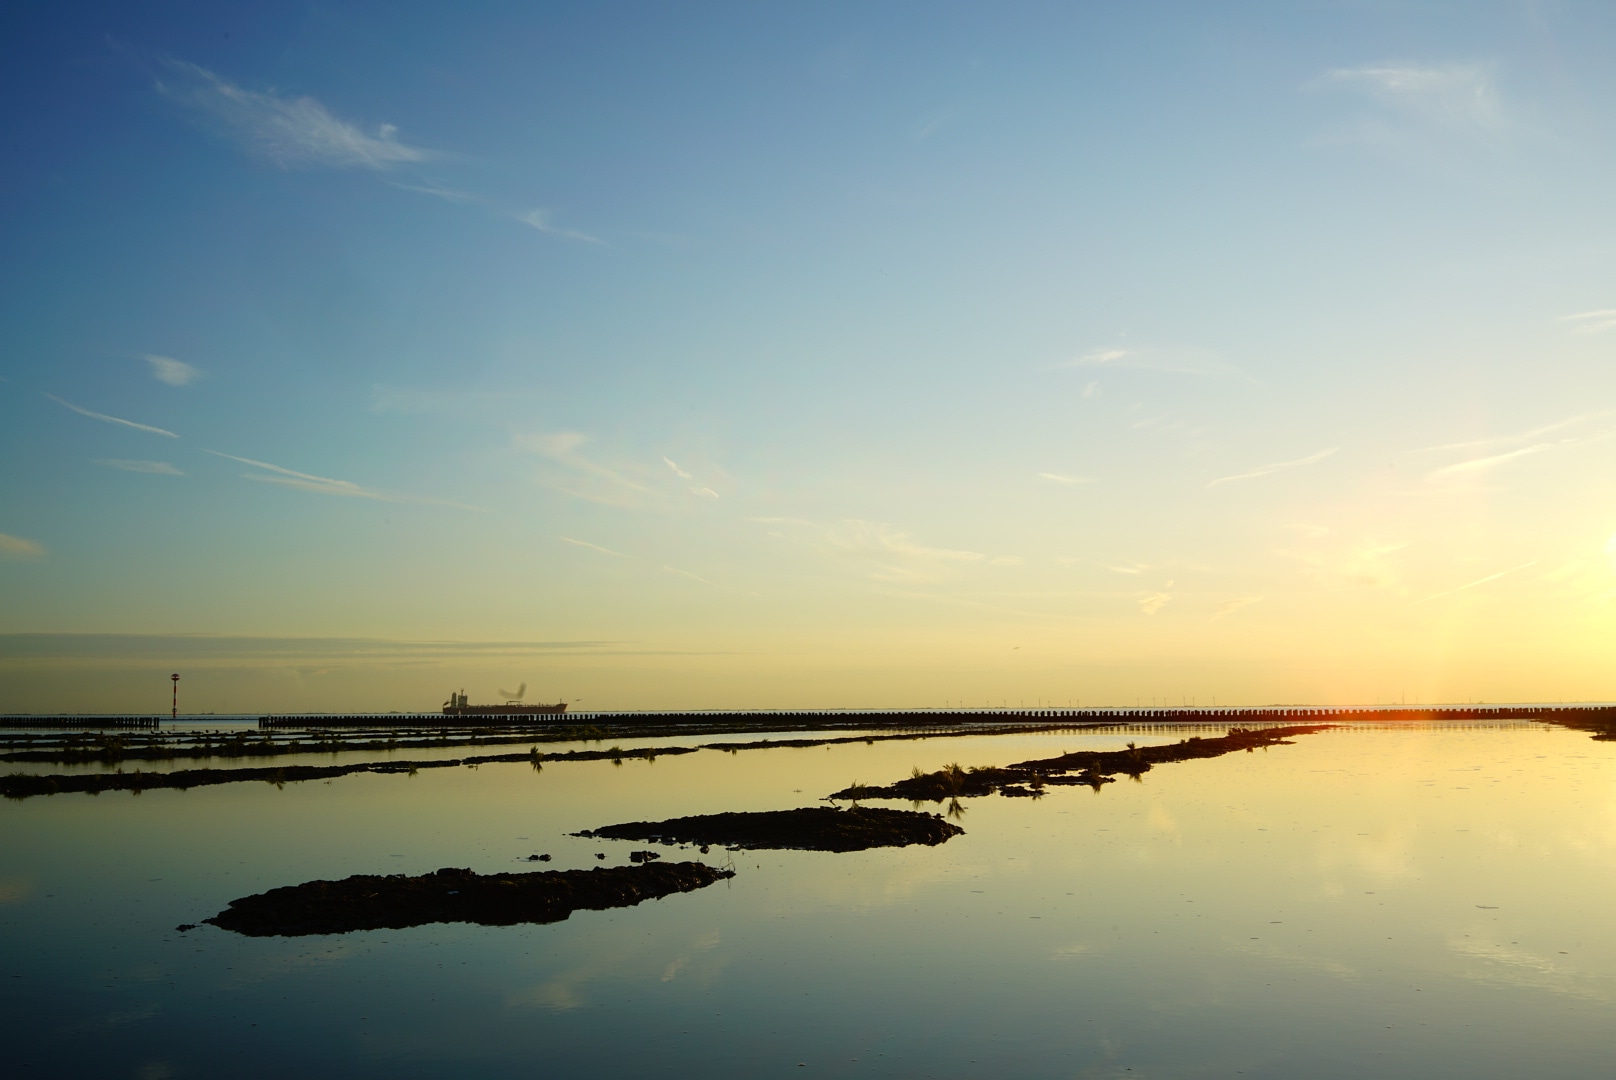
(831, 355)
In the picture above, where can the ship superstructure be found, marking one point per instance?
(458, 705)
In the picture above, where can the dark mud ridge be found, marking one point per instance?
(814, 828)
(19, 785)
(1085, 767)
(373, 902)
(109, 749)
(24, 785)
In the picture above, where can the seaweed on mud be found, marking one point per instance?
(374, 902)
(1086, 767)
(110, 749)
(813, 828)
(18, 785)
(951, 782)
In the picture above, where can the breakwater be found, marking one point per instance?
(81, 723)
(1596, 715)
(1592, 715)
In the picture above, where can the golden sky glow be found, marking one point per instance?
(1069, 355)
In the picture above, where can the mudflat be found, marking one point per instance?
(811, 828)
(394, 901)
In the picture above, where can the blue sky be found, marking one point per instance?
(855, 354)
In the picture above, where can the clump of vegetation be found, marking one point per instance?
(1091, 768)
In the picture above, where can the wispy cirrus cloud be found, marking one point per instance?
(1453, 96)
(325, 485)
(1521, 442)
(619, 555)
(303, 481)
(1592, 322)
(541, 220)
(1062, 478)
(289, 132)
(1151, 603)
(592, 547)
(1362, 562)
(930, 125)
(1478, 581)
(1484, 464)
(575, 473)
(437, 191)
(1278, 466)
(302, 133)
(1150, 358)
(15, 547)
(563, 446)
(1517, 437)
(854, 535)
(887, 553)
(105, 419)
(1099, 358)
(1229, 607)
(693, 577)
(166, 369)
(684, 474)
(156, 468)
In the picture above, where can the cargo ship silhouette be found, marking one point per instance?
(457, 705)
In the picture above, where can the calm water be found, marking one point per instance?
(1423, 903)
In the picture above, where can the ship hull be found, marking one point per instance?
(505, 710)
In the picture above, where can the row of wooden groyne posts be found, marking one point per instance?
(920, 718)
(83, 723)
(1603, 715)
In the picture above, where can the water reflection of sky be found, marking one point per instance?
(1394, 903)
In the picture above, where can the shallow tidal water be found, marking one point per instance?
(1423, 902)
